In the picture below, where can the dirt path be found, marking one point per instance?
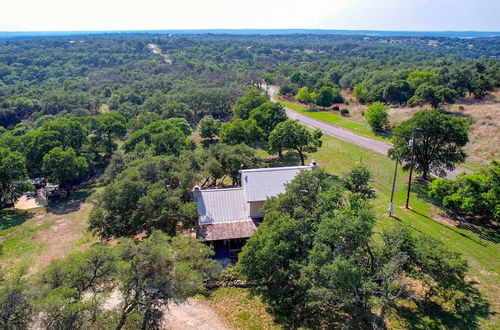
(343, 134)
(193, 315)
(60, 238)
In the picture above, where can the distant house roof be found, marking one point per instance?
(222, 206)
(262, 183)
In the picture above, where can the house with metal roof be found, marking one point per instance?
(229, 216)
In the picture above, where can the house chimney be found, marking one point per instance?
(196, 191)
(313, 164)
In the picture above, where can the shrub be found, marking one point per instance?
(344, 112)
(335, 107)
(376, 115)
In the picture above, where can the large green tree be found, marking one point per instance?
(233, 158)
(377, 117)
(163, 137)
(64, 167)
(251, 100)
(268, 115)
(290, 135)
(149, 194)
(13, 174)
(439, 143)
(436, 96)
(315, 260)
(74, 293)
(240, 131)
(325, 97)
(209, 127)
(474, 194)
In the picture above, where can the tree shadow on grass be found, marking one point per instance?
(290, 158)
(463, 311)
(71, 203)
(486, 232)
(12, 218)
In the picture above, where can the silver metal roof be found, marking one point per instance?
(222, 206)
(261, 183)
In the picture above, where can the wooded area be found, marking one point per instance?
(143, 128)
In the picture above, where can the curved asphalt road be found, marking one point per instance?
(346, 135)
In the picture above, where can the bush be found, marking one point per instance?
(344, 112)
(376, 115)
(335, 107)
(474, 194)
(440, 188)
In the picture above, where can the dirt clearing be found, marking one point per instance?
(193, 315)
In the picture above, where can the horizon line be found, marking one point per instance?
(243, 29)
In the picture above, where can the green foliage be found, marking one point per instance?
(163, 137)
(398, 92)
(440, 139)
(268, 115)
(325, 97)
(251, 100)
(233, 158)
(304, 96)
(13, 174)
(17, 305)
(357, 181)
(435, 95)
(288, 90)
(240, 131)
(209, 127)
(377, 117)
(475, 194)
(73, 292)
(149, 194)
(417, 78)
(183, 124)
(290, 135)
(64, 167)
(361, 93)
(481, 86)
(315, 261)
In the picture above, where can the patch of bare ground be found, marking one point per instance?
(443, 218)
(192, 314)
(69, 222)
(484, 143)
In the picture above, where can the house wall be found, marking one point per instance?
(255, 209)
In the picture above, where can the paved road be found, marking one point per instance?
(346, 135)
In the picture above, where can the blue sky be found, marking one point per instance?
(415, 15)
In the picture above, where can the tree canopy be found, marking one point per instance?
(439, 143)
(315, 262)
(290, 135)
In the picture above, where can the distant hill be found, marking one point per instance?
(449, 34)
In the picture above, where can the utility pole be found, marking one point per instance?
(411, 144)
(391, 204)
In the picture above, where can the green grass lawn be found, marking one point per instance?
(337, 120)
(338, 156)
(31, 239)
(483, 256)
(240, 309)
